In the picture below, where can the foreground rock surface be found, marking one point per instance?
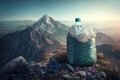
(58, 69)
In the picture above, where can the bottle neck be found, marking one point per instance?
(78, 23)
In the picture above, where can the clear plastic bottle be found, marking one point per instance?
(76, 29)
(81, 46)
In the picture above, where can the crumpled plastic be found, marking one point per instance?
(81, 33)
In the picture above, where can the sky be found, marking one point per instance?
(64, 10)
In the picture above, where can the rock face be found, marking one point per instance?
(53, 28)
(30, 43)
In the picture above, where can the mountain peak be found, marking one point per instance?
(53, 28)
(45, 16)
(50, 25)
(46, 19)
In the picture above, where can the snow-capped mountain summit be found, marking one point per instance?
(52, 28)
(47, 19)
(50, 25)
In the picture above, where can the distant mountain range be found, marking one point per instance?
(103, 39)
(13, 26)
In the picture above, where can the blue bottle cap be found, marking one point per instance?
(77, 20)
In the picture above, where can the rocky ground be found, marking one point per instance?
(58, 69)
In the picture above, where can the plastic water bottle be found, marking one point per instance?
(81, 46)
